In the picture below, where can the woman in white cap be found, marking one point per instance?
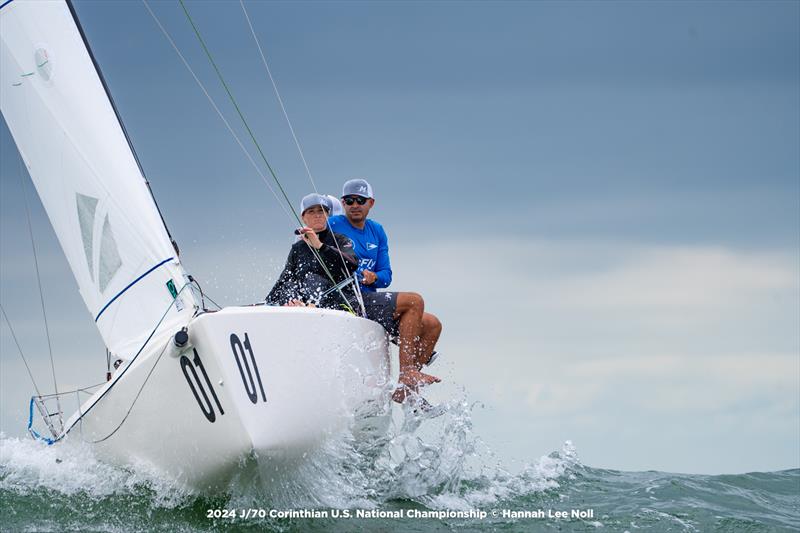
(304, 280)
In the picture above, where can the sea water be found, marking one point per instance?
(424, 475)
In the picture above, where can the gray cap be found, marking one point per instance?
(310, 200)
(336, 205)
(357, 187)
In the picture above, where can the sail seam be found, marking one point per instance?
(131, 284)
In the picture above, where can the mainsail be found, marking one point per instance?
(85, 172)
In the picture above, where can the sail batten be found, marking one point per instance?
(87, 175)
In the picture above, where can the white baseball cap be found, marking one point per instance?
(336, 205)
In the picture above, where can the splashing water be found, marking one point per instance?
(429, 466)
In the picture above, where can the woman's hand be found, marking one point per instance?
(297, 303)
(311, 237)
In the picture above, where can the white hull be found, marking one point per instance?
(316, 369)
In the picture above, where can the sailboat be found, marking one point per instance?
(196, 393)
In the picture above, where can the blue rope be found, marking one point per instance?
(35, 434)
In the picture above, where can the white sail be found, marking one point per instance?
(84, 169)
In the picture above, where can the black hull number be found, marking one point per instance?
(244, 367)
(198, 390)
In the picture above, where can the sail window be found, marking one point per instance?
(43, 64)
(86, 210)
(109, 256)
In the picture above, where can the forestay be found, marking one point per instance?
(76, 151)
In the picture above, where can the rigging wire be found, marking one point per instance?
(85, 390)
(214, 105)
(290, 212)
(289, 123)
(203, 295)
(135, 399)
(278, 95)
(41, 292)
(42, 412)
(124, 370)
(314, 251)
(24, 360)
(238, 109)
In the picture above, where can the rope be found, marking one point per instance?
(238, 110)
(290, 213)
(203, 295)
(41, 292)
(214, 105)
(314, 251)
(133, 359)
(210, 299)
(289, 123)
(82, 389)
(135, 399)
(278, 95)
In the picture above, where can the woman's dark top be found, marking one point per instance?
(305, 279)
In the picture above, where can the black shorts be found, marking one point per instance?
(381, 307)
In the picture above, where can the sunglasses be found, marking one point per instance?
(350, 200)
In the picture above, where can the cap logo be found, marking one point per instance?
(362, 189)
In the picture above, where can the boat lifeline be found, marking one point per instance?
(196, 393)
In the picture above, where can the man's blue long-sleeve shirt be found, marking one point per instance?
(372, 248)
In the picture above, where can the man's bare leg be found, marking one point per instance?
(410, 309)
(431, 329)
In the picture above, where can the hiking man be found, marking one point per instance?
(402, 314)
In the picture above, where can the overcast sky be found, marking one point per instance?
(600, 200)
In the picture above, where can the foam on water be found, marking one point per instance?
(417, 460)
(70, 468)
(437, 464)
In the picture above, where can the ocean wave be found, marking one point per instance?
(435, 465)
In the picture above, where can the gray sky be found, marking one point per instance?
(600, 200)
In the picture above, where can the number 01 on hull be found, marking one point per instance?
(256, 382)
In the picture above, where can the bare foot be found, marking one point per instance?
(410, 381)
(414, 378)
(400, 394)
